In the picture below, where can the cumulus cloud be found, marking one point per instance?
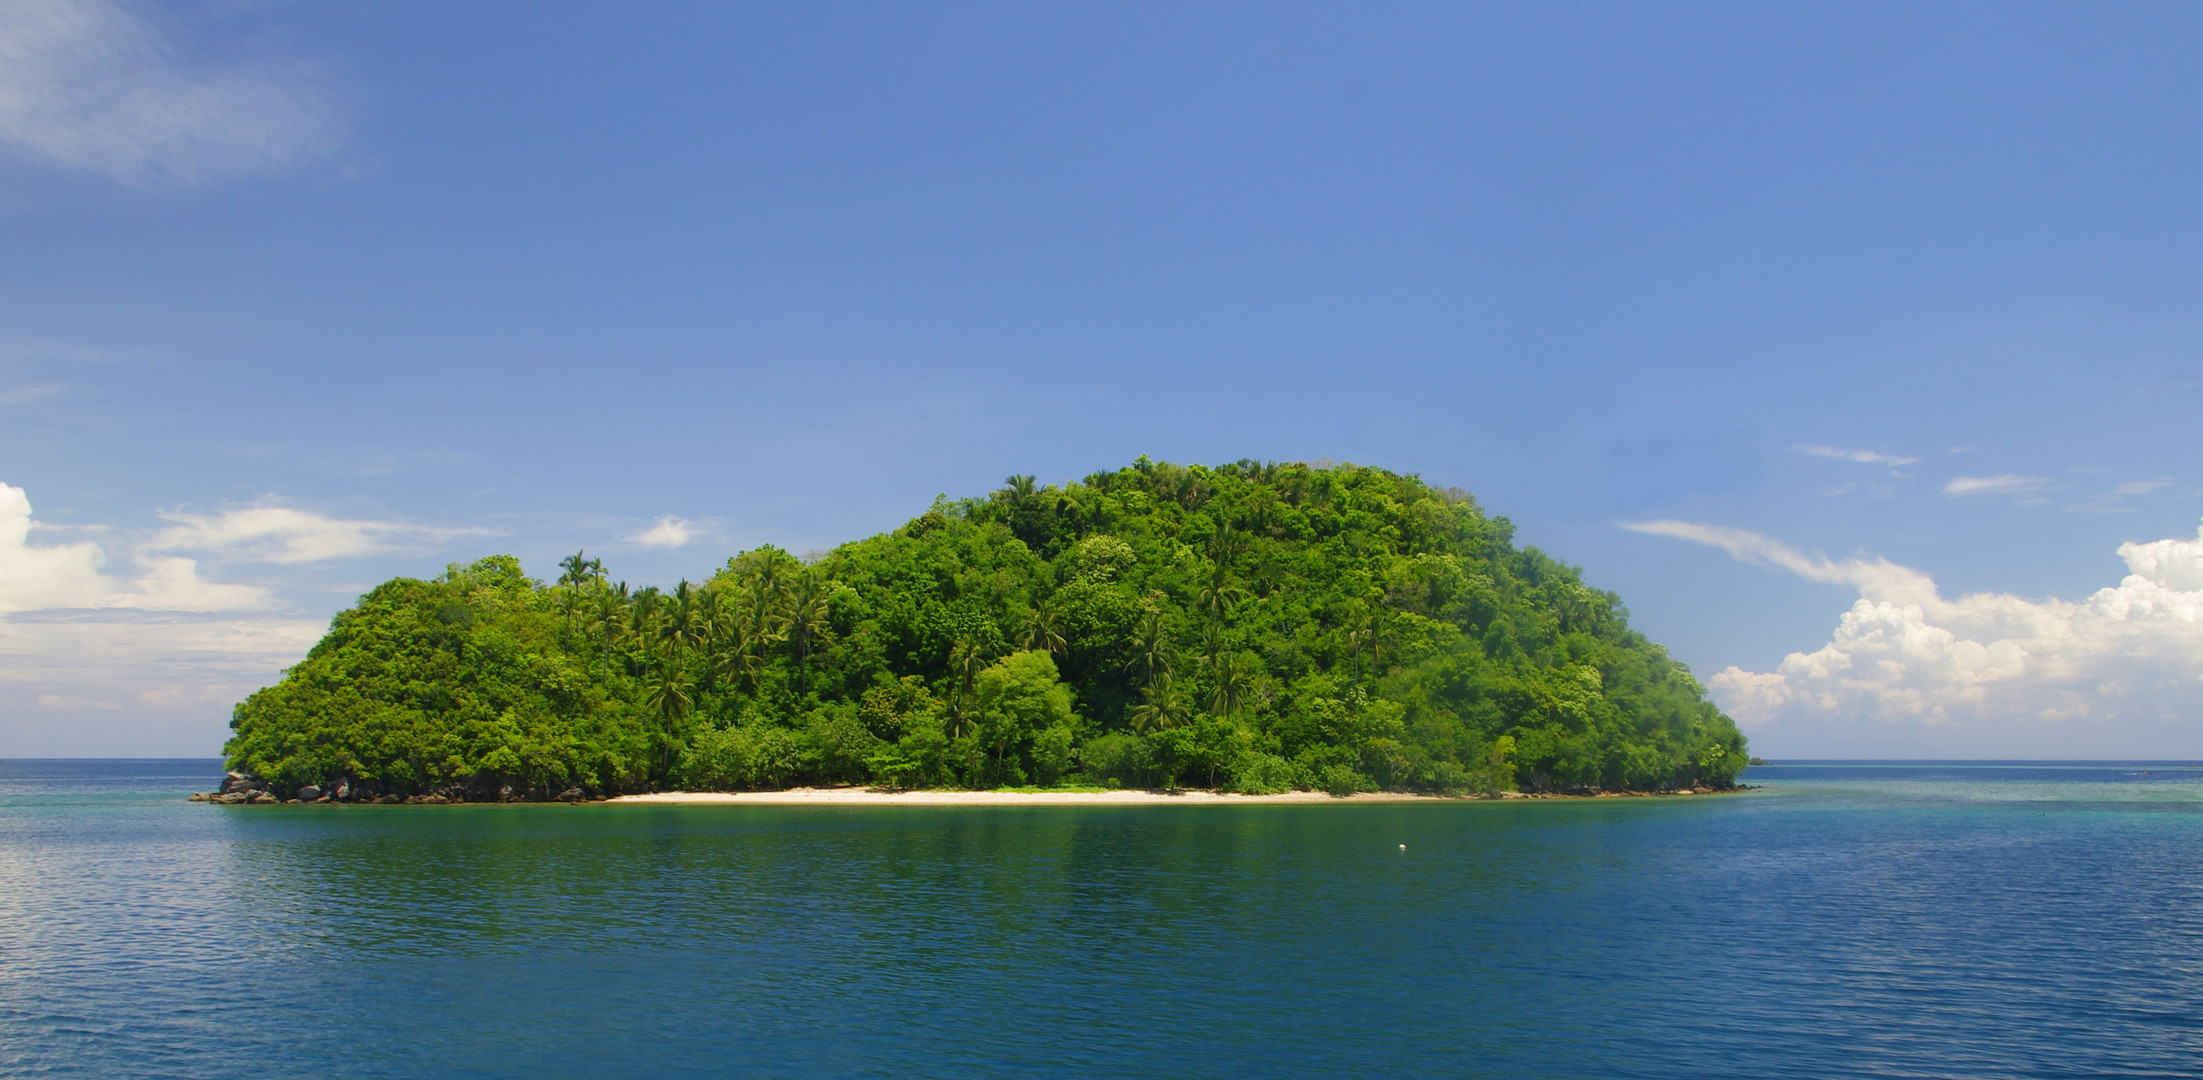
(2012, 673)
(148, 656)
(279, 534)
(86, 84)
(37, 577)
(1863, 457)
(667, 532)
(2001, 484)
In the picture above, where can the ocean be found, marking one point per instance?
(1845, 919)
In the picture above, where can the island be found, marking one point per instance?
(1255, 628)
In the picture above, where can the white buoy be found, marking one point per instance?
(1403, 847)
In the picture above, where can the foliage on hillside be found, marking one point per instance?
(1255, 626)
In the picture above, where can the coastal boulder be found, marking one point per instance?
(245, 782)
(309, 793)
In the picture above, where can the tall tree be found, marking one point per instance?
(1162, 705)
(805, 618)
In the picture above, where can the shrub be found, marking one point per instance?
(1341, 781)
(1256, 773)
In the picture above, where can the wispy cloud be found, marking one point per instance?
(86, 84)
(667, 532)
(281, 534)
(22, 394)
(1863, 457)
(2116, 500)
(1759, 549)
(2002, 484)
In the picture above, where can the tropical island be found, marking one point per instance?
(1256, 628)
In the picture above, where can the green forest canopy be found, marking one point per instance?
(1255, 627)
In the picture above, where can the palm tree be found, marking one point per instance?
(1235, 677)
(966, 661)
(738, 659)
(1213, 646)
(1357, 639)
(1040, 633)
(1218, 594)
(607, 618)
(761, 607)
(580, 570)
(1379, 629)
(1152, 641)
(1162, 705)
(681, 627)
(1019, 488)
(1226, 545)
(805, 621)
(669, 701)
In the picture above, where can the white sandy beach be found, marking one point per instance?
(859, 796)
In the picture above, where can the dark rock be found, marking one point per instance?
(262, 797)
(231, 798)
(572, 794)
(238, 781)
(201, 796)
(309, 793)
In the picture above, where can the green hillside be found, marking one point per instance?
(1256, 627)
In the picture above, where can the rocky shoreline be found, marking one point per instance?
(249, 789)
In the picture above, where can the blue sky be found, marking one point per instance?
(296, 297)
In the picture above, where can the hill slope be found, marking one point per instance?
(1252, 626)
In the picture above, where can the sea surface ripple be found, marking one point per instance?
(1846, 919)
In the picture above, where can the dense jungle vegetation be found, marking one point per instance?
(1255, 627)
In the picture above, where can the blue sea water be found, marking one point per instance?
(1846, 919)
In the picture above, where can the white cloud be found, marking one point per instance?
(1863, 457)
(22, 394)
(43, 577)
(136, 684)
(86, 84)
(1881, 575)
(1994, 674)
(2139, 487)
(279, 534)
(667, 532)
(59, 575)
(36, 577)
(149, 656)
(2114, 501)
(2002, 484)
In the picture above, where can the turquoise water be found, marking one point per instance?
(1845, 920)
